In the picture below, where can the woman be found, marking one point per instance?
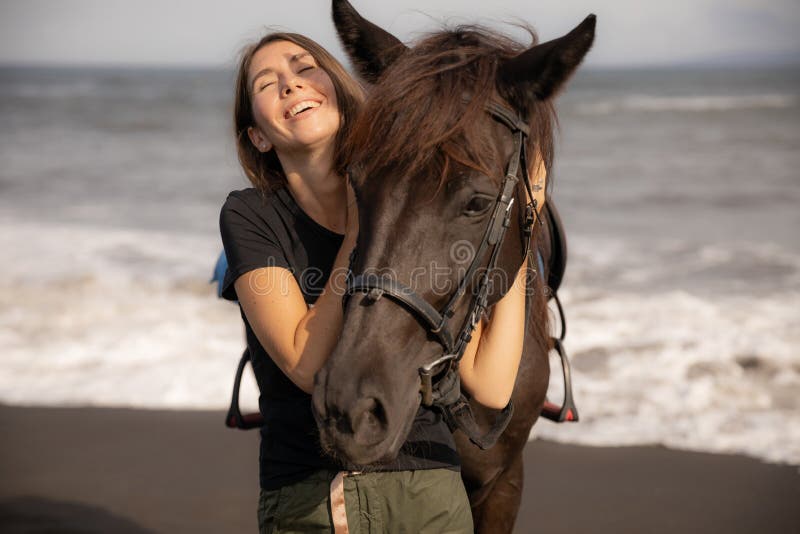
(288, 240)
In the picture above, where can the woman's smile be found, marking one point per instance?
(301, 109)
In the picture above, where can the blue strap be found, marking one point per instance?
(219, 272)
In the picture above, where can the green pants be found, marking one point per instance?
(410, 502)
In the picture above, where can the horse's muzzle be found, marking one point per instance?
(352, 427)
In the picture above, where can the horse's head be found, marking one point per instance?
(427, 161)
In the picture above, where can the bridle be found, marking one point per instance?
(440, 385)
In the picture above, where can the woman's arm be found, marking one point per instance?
(299, 339)
(489, 366)
(490, 363)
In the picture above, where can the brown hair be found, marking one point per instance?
(264, 169)
(424, 105)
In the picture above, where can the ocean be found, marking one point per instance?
(679, 190)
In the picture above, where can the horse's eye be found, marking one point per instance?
(478, 205)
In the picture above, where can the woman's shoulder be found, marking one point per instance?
(252, 197)
(253, 202)
(251, 208)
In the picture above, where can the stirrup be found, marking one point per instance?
(567, 411)
(234, 418)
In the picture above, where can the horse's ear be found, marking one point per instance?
(542, 69)
(371, 48)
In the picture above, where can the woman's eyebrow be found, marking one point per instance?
(266, 71)
(259, 74)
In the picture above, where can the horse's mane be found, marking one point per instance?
(428, 107)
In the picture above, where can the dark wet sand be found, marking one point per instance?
(134, 471)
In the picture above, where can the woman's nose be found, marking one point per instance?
(290, 85)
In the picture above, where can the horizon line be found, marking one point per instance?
(214, 66)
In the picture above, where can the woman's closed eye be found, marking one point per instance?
(264, 84)
(305, 69)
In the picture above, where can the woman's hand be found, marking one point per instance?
(539, 176)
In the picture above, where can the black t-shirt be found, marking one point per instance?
(259, 231)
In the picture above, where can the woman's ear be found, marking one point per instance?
(258, 139)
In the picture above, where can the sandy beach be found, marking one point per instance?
(135, 471)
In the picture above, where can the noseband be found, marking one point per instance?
(445, 391)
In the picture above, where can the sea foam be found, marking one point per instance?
(114, 317)
(694, 103)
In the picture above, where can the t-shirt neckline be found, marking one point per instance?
(288, 199)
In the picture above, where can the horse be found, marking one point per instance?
(441, 125)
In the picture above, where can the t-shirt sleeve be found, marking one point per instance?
(249, 243)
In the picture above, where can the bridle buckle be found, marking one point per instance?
(374, 294)
(426, 373)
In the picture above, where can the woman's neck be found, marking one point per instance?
(318, 190)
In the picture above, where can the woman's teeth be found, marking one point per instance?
(301, 106)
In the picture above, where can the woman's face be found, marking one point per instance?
(293, 99)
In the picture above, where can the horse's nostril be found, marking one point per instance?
(368, 419)
(342, 424)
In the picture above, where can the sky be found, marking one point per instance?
(163, 33)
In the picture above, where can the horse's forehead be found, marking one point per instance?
(404, 207)
(426, 185)
(388, 184)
